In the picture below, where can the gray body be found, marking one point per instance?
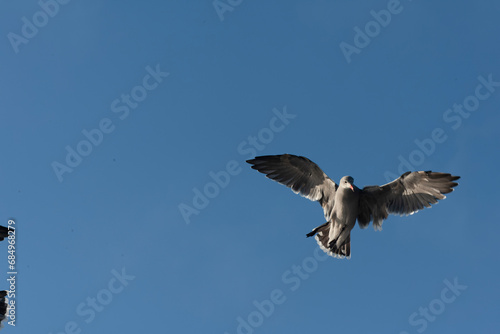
(345, 213)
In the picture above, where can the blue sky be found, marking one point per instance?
(160, 101)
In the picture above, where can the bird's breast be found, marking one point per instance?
(346, 206)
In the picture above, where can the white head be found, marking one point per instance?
(347, 182)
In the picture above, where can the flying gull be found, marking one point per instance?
(344, 203)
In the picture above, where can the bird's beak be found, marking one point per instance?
(352, 188)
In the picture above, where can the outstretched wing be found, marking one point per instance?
(300, 174)
(406, 195)
(4, 232)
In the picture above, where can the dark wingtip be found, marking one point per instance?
(254, 162)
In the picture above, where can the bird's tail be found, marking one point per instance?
(329, 246)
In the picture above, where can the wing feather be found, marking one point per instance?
(406, 195)
(301, 175)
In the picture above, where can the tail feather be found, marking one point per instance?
(329, 246)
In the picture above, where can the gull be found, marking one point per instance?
(344, 203)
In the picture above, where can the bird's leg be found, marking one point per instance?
(315, 230)
(333, 243)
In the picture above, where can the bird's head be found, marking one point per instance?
(347, 182)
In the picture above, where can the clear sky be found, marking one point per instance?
(124, 130)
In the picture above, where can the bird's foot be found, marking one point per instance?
(333, 245)
(315, 230)
(310, 234)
